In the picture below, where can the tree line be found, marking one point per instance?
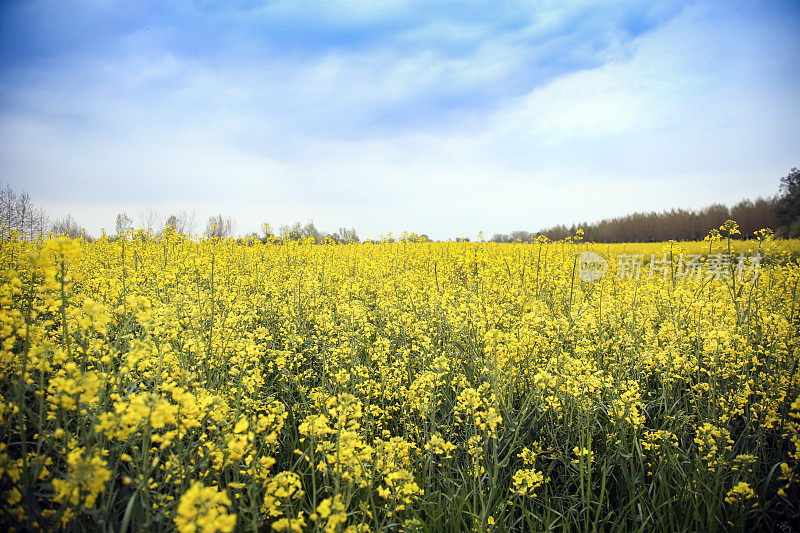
(675, 224)
(221, 227)
(20, 217)
(780, 213)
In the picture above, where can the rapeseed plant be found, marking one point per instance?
(162, 383)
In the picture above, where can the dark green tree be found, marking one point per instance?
(787, 208)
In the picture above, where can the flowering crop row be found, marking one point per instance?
(214, 385)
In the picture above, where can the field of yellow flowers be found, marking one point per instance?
(157, 384)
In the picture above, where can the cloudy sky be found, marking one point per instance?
(437, 117)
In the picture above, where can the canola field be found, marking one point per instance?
(162, 384)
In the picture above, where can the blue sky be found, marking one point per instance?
(445, 118)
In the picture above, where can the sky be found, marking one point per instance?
(440, 117)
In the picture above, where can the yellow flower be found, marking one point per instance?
(204, 509)
(290, 524)
(740, 493)
(280, 489)
(330, 512)
(581, 453)
(241, 426)
(86, 478)
(526, 481)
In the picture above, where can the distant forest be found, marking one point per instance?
(780, 213)
(675, 224)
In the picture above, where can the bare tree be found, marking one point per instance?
(300, 231)
(8, 199)
(346, 235)
(187, 222)
(266, 231)
(219, 227)
(291, 233)
(149, 219)
(310, 230)
(23, 209)
(20, 216)
(39, 222)
(520, 235)
(124, 223)
(183, 223)
(68, 226)
(295, 232)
